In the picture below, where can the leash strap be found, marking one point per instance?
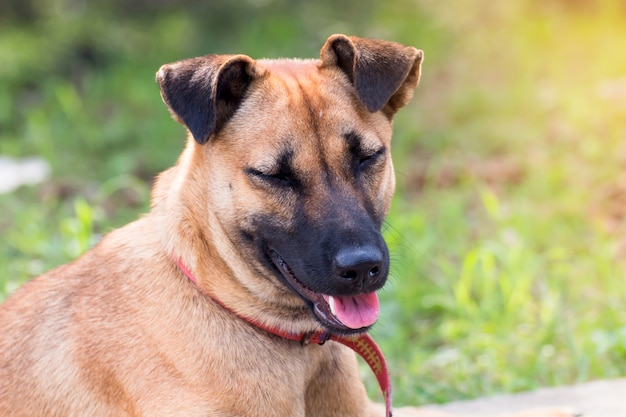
(363, 344)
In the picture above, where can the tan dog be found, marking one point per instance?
(272, 213)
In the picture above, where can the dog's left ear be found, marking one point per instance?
(383, 73)
(203, 93)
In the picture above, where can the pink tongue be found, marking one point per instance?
(355, 311)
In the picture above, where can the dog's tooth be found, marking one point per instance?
(331, 303)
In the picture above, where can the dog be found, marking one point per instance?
(262, 243)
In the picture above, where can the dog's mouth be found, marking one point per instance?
(344, 314)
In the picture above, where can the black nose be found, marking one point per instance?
(361, 265)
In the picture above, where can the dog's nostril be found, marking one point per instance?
(374, 272)
(349, 275)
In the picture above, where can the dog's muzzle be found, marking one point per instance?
(353, 313)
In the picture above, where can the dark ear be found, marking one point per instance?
(203, 93)
(383, 73)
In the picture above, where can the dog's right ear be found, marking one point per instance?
(384, 74)
(203, 93)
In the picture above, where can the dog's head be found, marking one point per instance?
(293, 166)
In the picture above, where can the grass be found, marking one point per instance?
(507, 231)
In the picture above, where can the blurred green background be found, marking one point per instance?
(508, 230)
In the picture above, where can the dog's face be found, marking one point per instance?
(301, 176)
(304, 192)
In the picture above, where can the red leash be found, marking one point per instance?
(362, 344)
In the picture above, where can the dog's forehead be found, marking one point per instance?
(294, 76)
(295, 92)
(290, 66)
(304, 86)
(303, 107)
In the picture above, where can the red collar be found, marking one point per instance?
(362, 344)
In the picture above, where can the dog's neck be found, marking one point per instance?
(363, 344)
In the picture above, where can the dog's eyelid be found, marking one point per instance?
(272, 176)
(371, 156)
(255, 172)
(363, 145)
(380, 151)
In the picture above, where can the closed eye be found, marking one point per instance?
(278, 179)
(368, 159)
(277, 173)
(363, 156)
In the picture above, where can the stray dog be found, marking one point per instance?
(262, 243)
